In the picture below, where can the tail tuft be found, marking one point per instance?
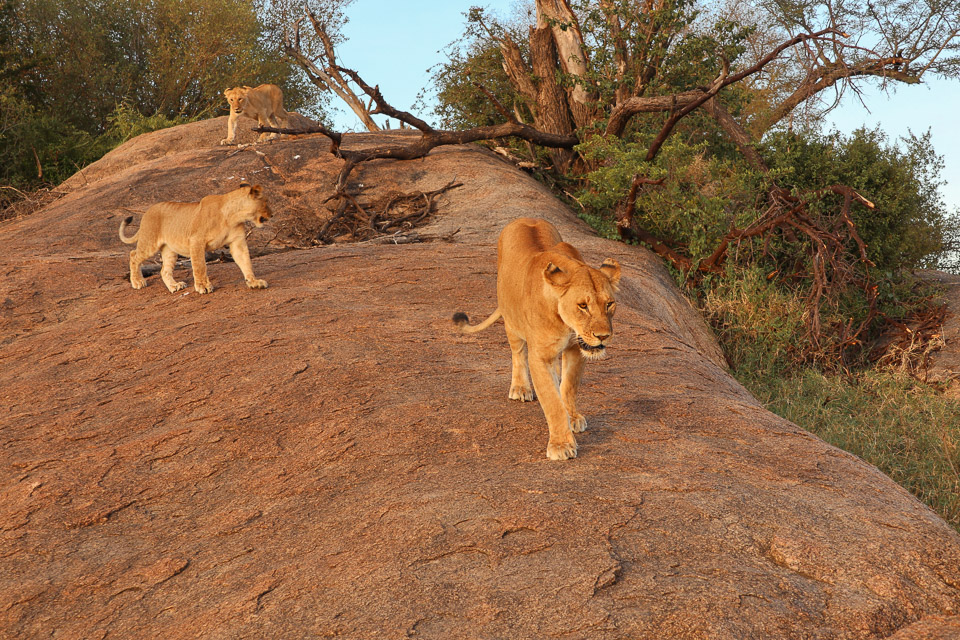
(460, 318)
(128, 220)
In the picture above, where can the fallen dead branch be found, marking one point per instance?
(429, 139)
(392, 214)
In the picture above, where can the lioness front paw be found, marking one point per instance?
(138, 284)
(177, 286)
(257, 284)
(203, 288)
(523, 394)
(562, 450)
(226, 141)
(578, 424)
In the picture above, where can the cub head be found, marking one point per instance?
(237, 97)
(255, 204)
(585, 301)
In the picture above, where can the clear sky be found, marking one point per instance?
(393, 44)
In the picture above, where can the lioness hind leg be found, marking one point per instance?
(520, 387)
(136, 278)
(166, 272)
(264, 121)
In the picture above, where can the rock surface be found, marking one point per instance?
(327, 458)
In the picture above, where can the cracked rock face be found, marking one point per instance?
(327, 458)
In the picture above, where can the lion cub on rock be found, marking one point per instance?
(192, 229)
(264, 104)
(556, 310)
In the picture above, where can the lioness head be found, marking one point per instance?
(237, 97)
(257, 208)
(586, 303)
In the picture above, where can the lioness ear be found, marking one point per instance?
(611, 269)
(244, 184)
(555, 275)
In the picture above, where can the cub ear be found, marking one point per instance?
(611, 269)
(555, 275)
(255, 191)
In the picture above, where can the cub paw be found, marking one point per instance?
(523, 394)
(257, 284)
(562, 451)
(138, 284)
(203, 288)
(578, 424)
(177, 286)
(226, 141)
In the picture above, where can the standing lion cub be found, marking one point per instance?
(264, 104)
(192, 229)
(557, 311)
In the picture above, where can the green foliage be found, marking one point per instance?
(167, 57)
(80, 75)
(910, 226)
(127, 123)
(36, 147)
(905, 428)
(701, 196)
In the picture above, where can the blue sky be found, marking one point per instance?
(393, 44)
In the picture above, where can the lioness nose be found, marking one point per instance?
(601, 336)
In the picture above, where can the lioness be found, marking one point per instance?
(192, 229)
(264, 104)
(556, 310)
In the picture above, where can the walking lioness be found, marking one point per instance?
(556, 310)
(192, 229)
(263, 103)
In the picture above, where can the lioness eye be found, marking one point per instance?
(583, 305)
(611, 304)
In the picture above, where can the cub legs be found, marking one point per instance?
(166, 272)
(241, 255)
(231, 128)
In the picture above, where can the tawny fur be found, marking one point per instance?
(556, 311)
(263, 103)
(192, 229)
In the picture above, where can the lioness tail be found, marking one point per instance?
(460, 319)
(123, 226)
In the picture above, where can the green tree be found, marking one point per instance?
(168, 57)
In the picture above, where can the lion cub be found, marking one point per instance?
(264, 104)
(192, 229)
(556, 311)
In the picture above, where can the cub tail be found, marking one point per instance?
(461, 320)
(123, 226)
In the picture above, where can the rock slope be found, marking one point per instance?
(327, 458)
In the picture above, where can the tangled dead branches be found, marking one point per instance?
(392, 214)
(21, 203)
(836, 256)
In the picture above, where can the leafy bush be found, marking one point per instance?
(905, 428)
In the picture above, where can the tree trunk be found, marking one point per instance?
(552, 113)
(572, 55)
